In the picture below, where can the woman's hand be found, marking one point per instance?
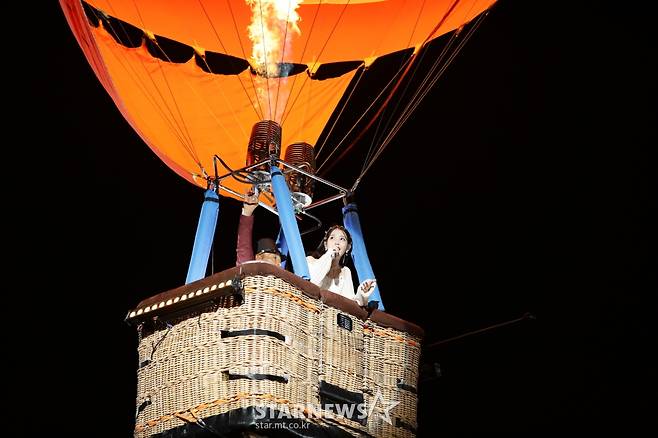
(368, 287)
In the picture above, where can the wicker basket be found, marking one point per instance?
(287, 346)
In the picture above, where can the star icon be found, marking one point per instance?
(386, 407)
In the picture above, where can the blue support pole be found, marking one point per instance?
(289, 223)
(204, 236)
(359, 253)
(283, 247)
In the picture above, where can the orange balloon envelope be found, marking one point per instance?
(193, 76)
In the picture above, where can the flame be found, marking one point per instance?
(273, 24)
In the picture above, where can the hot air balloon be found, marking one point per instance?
(236, 95)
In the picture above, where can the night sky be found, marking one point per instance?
(538, 196)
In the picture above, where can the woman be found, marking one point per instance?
(328, 270)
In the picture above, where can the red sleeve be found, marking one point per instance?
(245, 249)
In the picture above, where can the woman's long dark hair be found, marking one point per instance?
(321, 249)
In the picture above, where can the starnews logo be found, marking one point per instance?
(358, 411)
(386, 407)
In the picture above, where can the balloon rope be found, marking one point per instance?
(256, 107)
(176, 130)
(301, 59)
(382, 127)
(415, 101)
(413, 30)
(391, 133)
(173, 97)
(325, 93)
(361, 73)
(399, 74)
(525, 317)
(283, 52)
(228, 105)
(392, 92)
(267, 75)
(180, 115)
(372, 144)
(312, 68)
(423, 88)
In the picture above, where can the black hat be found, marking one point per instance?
(267, 245)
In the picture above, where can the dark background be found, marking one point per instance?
(540, 198)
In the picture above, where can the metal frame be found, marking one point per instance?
(342, 192)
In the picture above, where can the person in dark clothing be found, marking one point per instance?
(266, 250)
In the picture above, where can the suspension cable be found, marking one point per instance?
(393, 90)
(418, 97)
(260, 116)
(176, 130)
